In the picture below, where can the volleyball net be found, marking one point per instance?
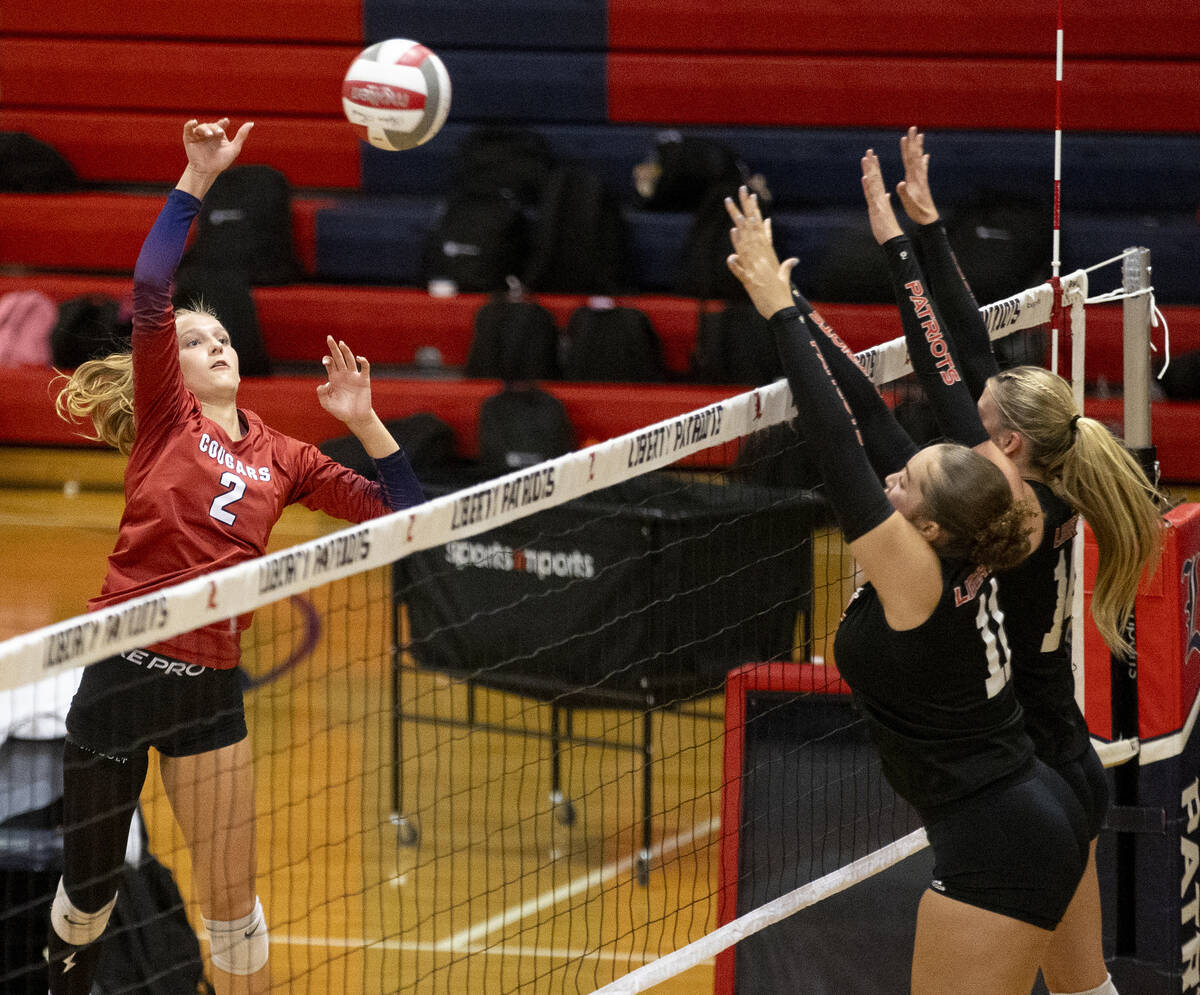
(494, 735)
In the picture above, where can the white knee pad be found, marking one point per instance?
(73, 925)
(240, 946)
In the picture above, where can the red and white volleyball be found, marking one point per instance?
(396, 94)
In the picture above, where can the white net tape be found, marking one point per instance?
(235, 590)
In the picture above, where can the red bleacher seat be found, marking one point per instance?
(875, 91)
(916, 27)
(207, 77)
(103, 232)
(267, 20)
(122, 147)
(597, 411)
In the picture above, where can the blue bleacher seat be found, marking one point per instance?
(374, 241)
(815, 167)
(1173, 241)
(531, 86)
(498, 24)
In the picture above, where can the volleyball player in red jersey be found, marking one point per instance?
(923, 647)
(205, 484)
(1073, 466)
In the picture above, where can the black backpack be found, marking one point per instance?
(1181, 382)
(482, 236)
(777, 456)
(478, 242)
(851, 268)
(89, 327)
(522, 426)
(514, 340)
(703, 271)
(426, 439)
(687, 168)
(226, 292)
(736, 346)
(579, 244)
(28, 165)
(1001, 242)
(616, 344)
(515, 162)
(149, 946)
(246, 224)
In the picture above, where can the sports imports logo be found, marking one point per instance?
(541, 563)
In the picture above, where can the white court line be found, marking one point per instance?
(504, 950)
(461, 941)
(467, 941)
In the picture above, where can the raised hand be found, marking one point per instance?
(754, 262)
(209, 149)
(914, 190)
(884, 225)
(346, 394)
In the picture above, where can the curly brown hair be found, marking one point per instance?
(970, 500)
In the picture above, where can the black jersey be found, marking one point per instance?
(938, 698)
(1036, 599)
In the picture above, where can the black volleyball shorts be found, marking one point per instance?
(1017, 848)
(139, 699)
(1085, 777)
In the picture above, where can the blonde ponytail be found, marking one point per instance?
(1094, 473)
(102, 390)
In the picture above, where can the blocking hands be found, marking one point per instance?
(754, 261)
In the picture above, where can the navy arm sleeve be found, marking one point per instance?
(929, 349)
(964, 324)
(164, 245)
(401, 489)
(828, 426)
(887, 445)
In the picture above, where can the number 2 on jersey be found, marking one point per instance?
(236, 487)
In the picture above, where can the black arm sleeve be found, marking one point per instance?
(888, 446)
(964, 324)
(401, 489)
(829, 428)
(928, 348)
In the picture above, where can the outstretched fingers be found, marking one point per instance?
(753, 260)
(341, 357)
(884, 225)
(914, 191)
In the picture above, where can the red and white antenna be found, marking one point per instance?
(1055, 262)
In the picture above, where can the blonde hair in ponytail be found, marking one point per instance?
(1094, 473)
(102, 390)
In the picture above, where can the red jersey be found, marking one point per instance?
(197, 501)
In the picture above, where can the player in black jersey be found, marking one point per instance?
(923, 646)
(1069, 464)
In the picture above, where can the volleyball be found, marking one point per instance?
(396, 94)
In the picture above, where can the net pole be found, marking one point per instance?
(1135, 282)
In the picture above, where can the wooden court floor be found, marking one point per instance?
(497, 894)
